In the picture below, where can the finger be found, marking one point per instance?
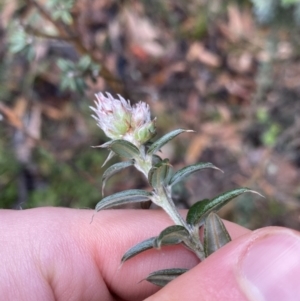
(73, 254)
(45, 256)
(260, 266)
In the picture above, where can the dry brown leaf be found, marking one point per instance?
(236, 89)
(26, 139)
(142, 33)
(20, 107)
(198, 52)
(224, 134)
(161, 77)
(196, 147)
(224, 111)
(34, 126)
(12, 118)
(240, 24)
(235, 21)
(8, 11)
(242, 63)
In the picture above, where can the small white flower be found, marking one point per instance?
(113, 116)
(119, 120)
(140, 114)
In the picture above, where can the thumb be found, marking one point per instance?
(260, 266)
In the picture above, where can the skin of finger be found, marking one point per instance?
(218, 278)
(59, 254)
(44, 257)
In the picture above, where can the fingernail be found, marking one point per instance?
(271, 268)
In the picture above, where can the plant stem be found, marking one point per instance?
(197, 245)
(143, 165)
(175, 214)
(169, 207)
(163, 198)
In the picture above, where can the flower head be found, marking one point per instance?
(140, 114)
(113, 116)
(119, 120)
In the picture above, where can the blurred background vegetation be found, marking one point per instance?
(230, 70)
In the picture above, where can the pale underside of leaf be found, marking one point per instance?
(124, 197)
(163, 277)
(200, 210)
(112, 170)
(165, 139)
(188, 170)
(215, 234)
(171, 235)
(137, 249)
(158, 175)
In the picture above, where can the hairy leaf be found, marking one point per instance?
(104, 145)
(159, 174)
(171, 236)
(200, 210)
(110, 156)
(215, 234)
(111, 153)
(137, 249)
(165, 139)
(188, 170)
(124, 148)
(113, 170)
(124, 197)
(156, 159)
(163, 277)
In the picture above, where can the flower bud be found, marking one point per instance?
(145, 132)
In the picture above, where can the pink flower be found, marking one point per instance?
(113, 116)
(140, 114)
(119, 120)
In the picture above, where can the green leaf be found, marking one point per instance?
(80, 85)
(200, 210)
(124, 197)
(188, 170)
(65, 65)
(171, 236)
(18, 39)
(113, 170)
(66, 17)
(105, 145)
(287, 3)
(163, 277)
(139, 248)
(156, 159)
(215, 234)
(123, 148)
(165, 139)
(159, 174)
(84, 63)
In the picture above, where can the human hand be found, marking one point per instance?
(57, 254)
